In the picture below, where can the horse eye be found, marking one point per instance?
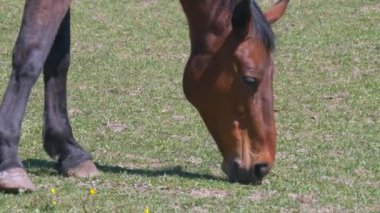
(250, 81)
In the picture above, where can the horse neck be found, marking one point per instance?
(209, 24)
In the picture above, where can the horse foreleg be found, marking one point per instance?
(41, 20)
(58, 137)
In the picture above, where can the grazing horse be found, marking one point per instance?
(228, 78)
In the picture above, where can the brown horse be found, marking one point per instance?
(228, 78)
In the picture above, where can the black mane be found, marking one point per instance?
(261, 27)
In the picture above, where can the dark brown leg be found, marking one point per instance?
(41, 21)
(58, 137)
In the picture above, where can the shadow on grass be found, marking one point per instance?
(46, 166)
(168, 171)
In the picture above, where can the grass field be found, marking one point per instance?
(127, 108)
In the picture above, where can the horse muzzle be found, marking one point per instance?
(246, 175)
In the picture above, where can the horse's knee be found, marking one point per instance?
(65, 63)
(62, 64)
(27, 60)
(58, 61)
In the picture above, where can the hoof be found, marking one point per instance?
(85, 169)
(15, 180)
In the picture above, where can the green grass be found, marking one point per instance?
(128, 109)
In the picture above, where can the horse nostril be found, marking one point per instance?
(259, 171)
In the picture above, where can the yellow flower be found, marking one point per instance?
(92, 191)
(53, 191)
(53, 202)
(146, 210)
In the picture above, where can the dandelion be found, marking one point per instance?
(92, 192)
(53, 191)
(53, 202)
(146, 210)
(88, 200)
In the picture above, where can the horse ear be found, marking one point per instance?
(241, 18)
(276, 12)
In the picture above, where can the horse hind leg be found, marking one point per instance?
(41, 20)
(58, 137)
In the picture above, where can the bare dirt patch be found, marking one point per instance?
(371, 8)
(149, 2)
(337, 96)
(74, 112)
(304, 199)
(205, 193)
(116, 127)
(260, 196)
